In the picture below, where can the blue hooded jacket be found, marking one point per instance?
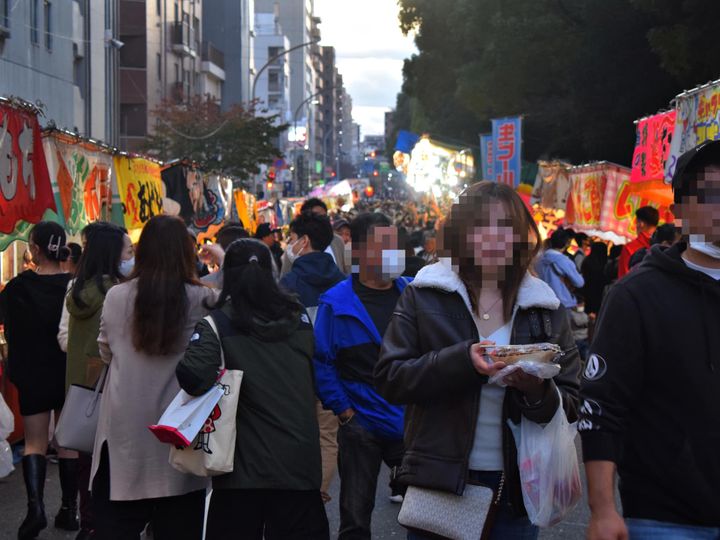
(310, 276)
(343, 325)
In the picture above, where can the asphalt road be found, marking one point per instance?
(385, 527)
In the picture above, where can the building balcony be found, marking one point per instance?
(213, 61)
(182, 37)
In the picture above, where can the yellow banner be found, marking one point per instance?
(140, 189)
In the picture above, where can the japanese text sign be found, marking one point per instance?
(506, 146)
(25, 190)
(697, 121)
(80, 173)
(140, 187)
(486, 157)
(652, 147)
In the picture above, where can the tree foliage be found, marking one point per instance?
(581, 71)
(234, 142)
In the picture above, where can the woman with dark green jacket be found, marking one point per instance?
(274, 489)
(98, 270)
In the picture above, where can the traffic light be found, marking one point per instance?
(373, 154)
(369, 191)
(270, 179)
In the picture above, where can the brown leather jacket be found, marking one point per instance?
(425, 364)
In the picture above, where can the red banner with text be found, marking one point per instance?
(25, 190)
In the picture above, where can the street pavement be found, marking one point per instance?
(385, 527)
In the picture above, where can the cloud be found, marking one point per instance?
(371, 119)
(370, 49)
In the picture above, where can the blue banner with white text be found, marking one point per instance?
(486, 157)
(506, 146)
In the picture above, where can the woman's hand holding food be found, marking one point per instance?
(481, 362)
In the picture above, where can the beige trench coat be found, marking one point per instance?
(138, 388)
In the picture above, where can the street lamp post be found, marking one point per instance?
(295, 120)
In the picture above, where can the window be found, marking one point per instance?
(158, 6)
(134, 52)
(34, 15)
(177, 12)
(159, 67)
(133, 120)
(274, 81)
(177, 72)
(4, 13)
(48, 25)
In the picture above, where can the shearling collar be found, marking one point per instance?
(533, 292)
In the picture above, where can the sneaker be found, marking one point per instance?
(396, 499)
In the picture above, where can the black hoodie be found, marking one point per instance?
(650, 397)
(30, 308)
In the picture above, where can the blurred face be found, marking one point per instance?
(431, 245)
(490, 246)
(127, 251)
(344, 233)
(269, 240)
(370, 253)
(699, 212)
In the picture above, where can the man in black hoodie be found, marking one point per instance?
(314, 272)
(651, 388)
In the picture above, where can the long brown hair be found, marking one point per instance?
(472, 210)
(164, 264)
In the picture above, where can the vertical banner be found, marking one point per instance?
(486, 157)
(652, 147)
(81, 175)
(506, 146)
(140, 188)
(25, 190)
(585, 202)
(697, 121)
(211, 208)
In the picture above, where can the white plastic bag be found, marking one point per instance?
(538, 369)
(549, 470)
(7, 425)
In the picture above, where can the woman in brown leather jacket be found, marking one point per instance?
(433, 359)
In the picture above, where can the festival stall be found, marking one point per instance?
(439, 168)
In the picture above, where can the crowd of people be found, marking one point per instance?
(363, 339)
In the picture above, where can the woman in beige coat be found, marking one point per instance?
(146, 325)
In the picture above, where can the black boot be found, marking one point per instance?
(67, 517)
(34, 467)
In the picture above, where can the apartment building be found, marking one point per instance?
(63, 54)
(163, 59)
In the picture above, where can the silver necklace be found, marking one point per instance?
(486, 312)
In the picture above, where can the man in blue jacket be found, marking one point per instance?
(313, 272)
(558, 270)
(351, 320)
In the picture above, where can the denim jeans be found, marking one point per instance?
(507, 526)
(647, 529)
(360, 455)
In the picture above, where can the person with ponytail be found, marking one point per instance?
(274, 489)
(145, 325)
(30, 307)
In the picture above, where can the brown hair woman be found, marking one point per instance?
(145, 326)
(433, 356)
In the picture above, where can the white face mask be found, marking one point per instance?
(289, 251)
(126, 267)
(698, 243)
(393, 263)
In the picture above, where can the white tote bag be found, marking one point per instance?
(212, 451)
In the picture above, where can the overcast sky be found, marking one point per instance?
(370, 50)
